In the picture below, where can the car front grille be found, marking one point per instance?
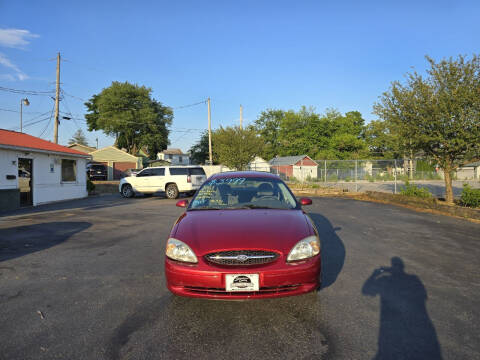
(242, 257)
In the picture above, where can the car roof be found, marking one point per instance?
(247, 174)
(173, 166)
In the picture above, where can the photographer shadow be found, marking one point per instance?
(332, 249)
(406, 331)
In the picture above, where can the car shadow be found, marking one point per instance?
(23, 240)
(332, 249)
(406, 330)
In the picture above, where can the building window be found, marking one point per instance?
(69, 170)
(179, 159)
(170, 156)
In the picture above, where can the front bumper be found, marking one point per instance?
(287, 280)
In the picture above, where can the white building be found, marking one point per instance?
(259, 164)
(34, 171)
(174, 156)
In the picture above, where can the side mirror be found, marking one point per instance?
(182, 203)
(306, 201)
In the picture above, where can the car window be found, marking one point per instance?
(196, 171)
(244, 192)
(178, 171)
(158, 172)
(147, 172)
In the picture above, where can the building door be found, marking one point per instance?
(25, 181)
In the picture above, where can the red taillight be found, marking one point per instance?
(189, 179)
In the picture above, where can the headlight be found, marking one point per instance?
(178, 250)
(304, 249)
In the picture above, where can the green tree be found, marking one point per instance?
(438, 114)
(268, 127)
(129, 113)
(78, 138)
(199, 152)
(328, 136)
(381, 141)
(236, 147)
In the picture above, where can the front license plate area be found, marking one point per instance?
(241, 282)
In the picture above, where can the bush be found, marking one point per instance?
(414, 190)
(470, 197)
(332, 178)
(90, 186)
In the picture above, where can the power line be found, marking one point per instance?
(49, 122)
(29, 124)
(16, 111)
(73, 96)
(69, 112)
(189, 105)
(27, 92)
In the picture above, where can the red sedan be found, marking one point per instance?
(244, 235)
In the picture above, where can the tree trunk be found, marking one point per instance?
(448, 185)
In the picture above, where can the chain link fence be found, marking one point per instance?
(369, 175)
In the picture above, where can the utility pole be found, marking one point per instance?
(209, 133)
(57, 99)
(97, 142)
(241, 117)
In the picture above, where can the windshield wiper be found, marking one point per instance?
(205, 208)
(251, 206)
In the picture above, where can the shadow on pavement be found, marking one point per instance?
(170, 326)
(406, 331)
(333, 250)
(23, 240)
(89, 203)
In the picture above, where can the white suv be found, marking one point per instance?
(173, 180)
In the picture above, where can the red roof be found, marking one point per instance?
(13, 138)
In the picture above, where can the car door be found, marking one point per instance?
(157, 180)
(141, 181)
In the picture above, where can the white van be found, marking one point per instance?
(173, 180)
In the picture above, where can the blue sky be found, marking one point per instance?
(261, 54)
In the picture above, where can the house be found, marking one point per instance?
(157, 162)
(259, 164)
(82, 148)
(174, 156)
(300, 167)
(34, 171)
(469, 171)
(116, 160)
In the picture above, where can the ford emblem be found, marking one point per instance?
(242, 258)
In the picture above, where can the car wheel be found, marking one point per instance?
(171, 191)
(127, 191)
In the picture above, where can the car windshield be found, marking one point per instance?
(243, 193)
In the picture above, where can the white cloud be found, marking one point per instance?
(19, 74)
(16, 38)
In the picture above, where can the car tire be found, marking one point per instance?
(171, 191)
(127, 191)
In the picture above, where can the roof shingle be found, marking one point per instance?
(22, 140)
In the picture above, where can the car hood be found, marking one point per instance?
(208, 231)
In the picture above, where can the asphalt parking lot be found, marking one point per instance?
(84, 280)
